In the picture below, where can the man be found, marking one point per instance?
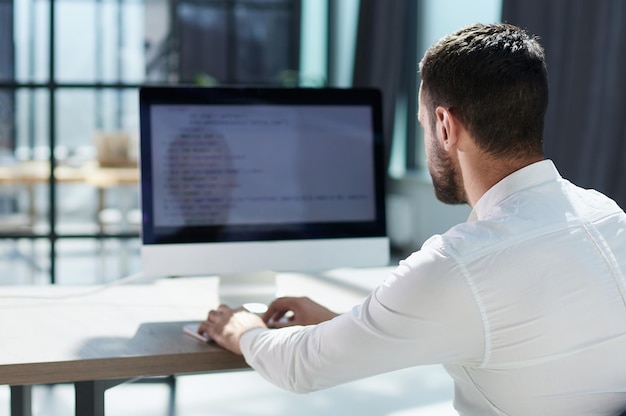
(524, 304)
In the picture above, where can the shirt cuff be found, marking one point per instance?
(247, 339)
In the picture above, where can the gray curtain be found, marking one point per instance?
(7, 74)
(383, 58)
(585, 43)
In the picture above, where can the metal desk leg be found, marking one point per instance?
(90, 396)
(21, 400)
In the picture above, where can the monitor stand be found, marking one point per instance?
(251, 290)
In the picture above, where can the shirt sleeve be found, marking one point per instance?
(424, 313)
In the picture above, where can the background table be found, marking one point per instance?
(31, 173)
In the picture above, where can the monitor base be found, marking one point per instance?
(251, 290)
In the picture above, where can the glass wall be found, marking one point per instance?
(69, 77)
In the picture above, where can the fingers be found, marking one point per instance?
(203, 329)
(212, 316)
(215, 318)
(225, 326)
(222, 311)
(282, 312)
(299, 311)
(277, 309)
(281, 323)
(286, 311)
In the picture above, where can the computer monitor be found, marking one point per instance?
(241, 180)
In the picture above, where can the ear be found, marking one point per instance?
(448, 126)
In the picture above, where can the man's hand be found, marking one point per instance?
(226, 326)
(290, 311)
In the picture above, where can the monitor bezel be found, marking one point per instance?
(190, 95)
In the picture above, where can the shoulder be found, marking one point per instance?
(468, 239)
(429, 272)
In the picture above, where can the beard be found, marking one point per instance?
(446, 177)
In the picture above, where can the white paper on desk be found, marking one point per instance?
(192, 329)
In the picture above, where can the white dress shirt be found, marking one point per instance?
(524, 304)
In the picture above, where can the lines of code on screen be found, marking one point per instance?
(261, 164)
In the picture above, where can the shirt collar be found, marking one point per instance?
(527, 177)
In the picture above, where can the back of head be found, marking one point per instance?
(494, 79)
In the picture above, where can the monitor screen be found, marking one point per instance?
(247, 179)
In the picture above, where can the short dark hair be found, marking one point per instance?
(494, 79)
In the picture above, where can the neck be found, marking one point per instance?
(483, 172)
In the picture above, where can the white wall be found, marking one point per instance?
(414, 214)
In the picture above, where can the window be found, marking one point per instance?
(433, 21)
(69, 75)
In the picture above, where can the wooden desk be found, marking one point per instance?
(96, 339)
